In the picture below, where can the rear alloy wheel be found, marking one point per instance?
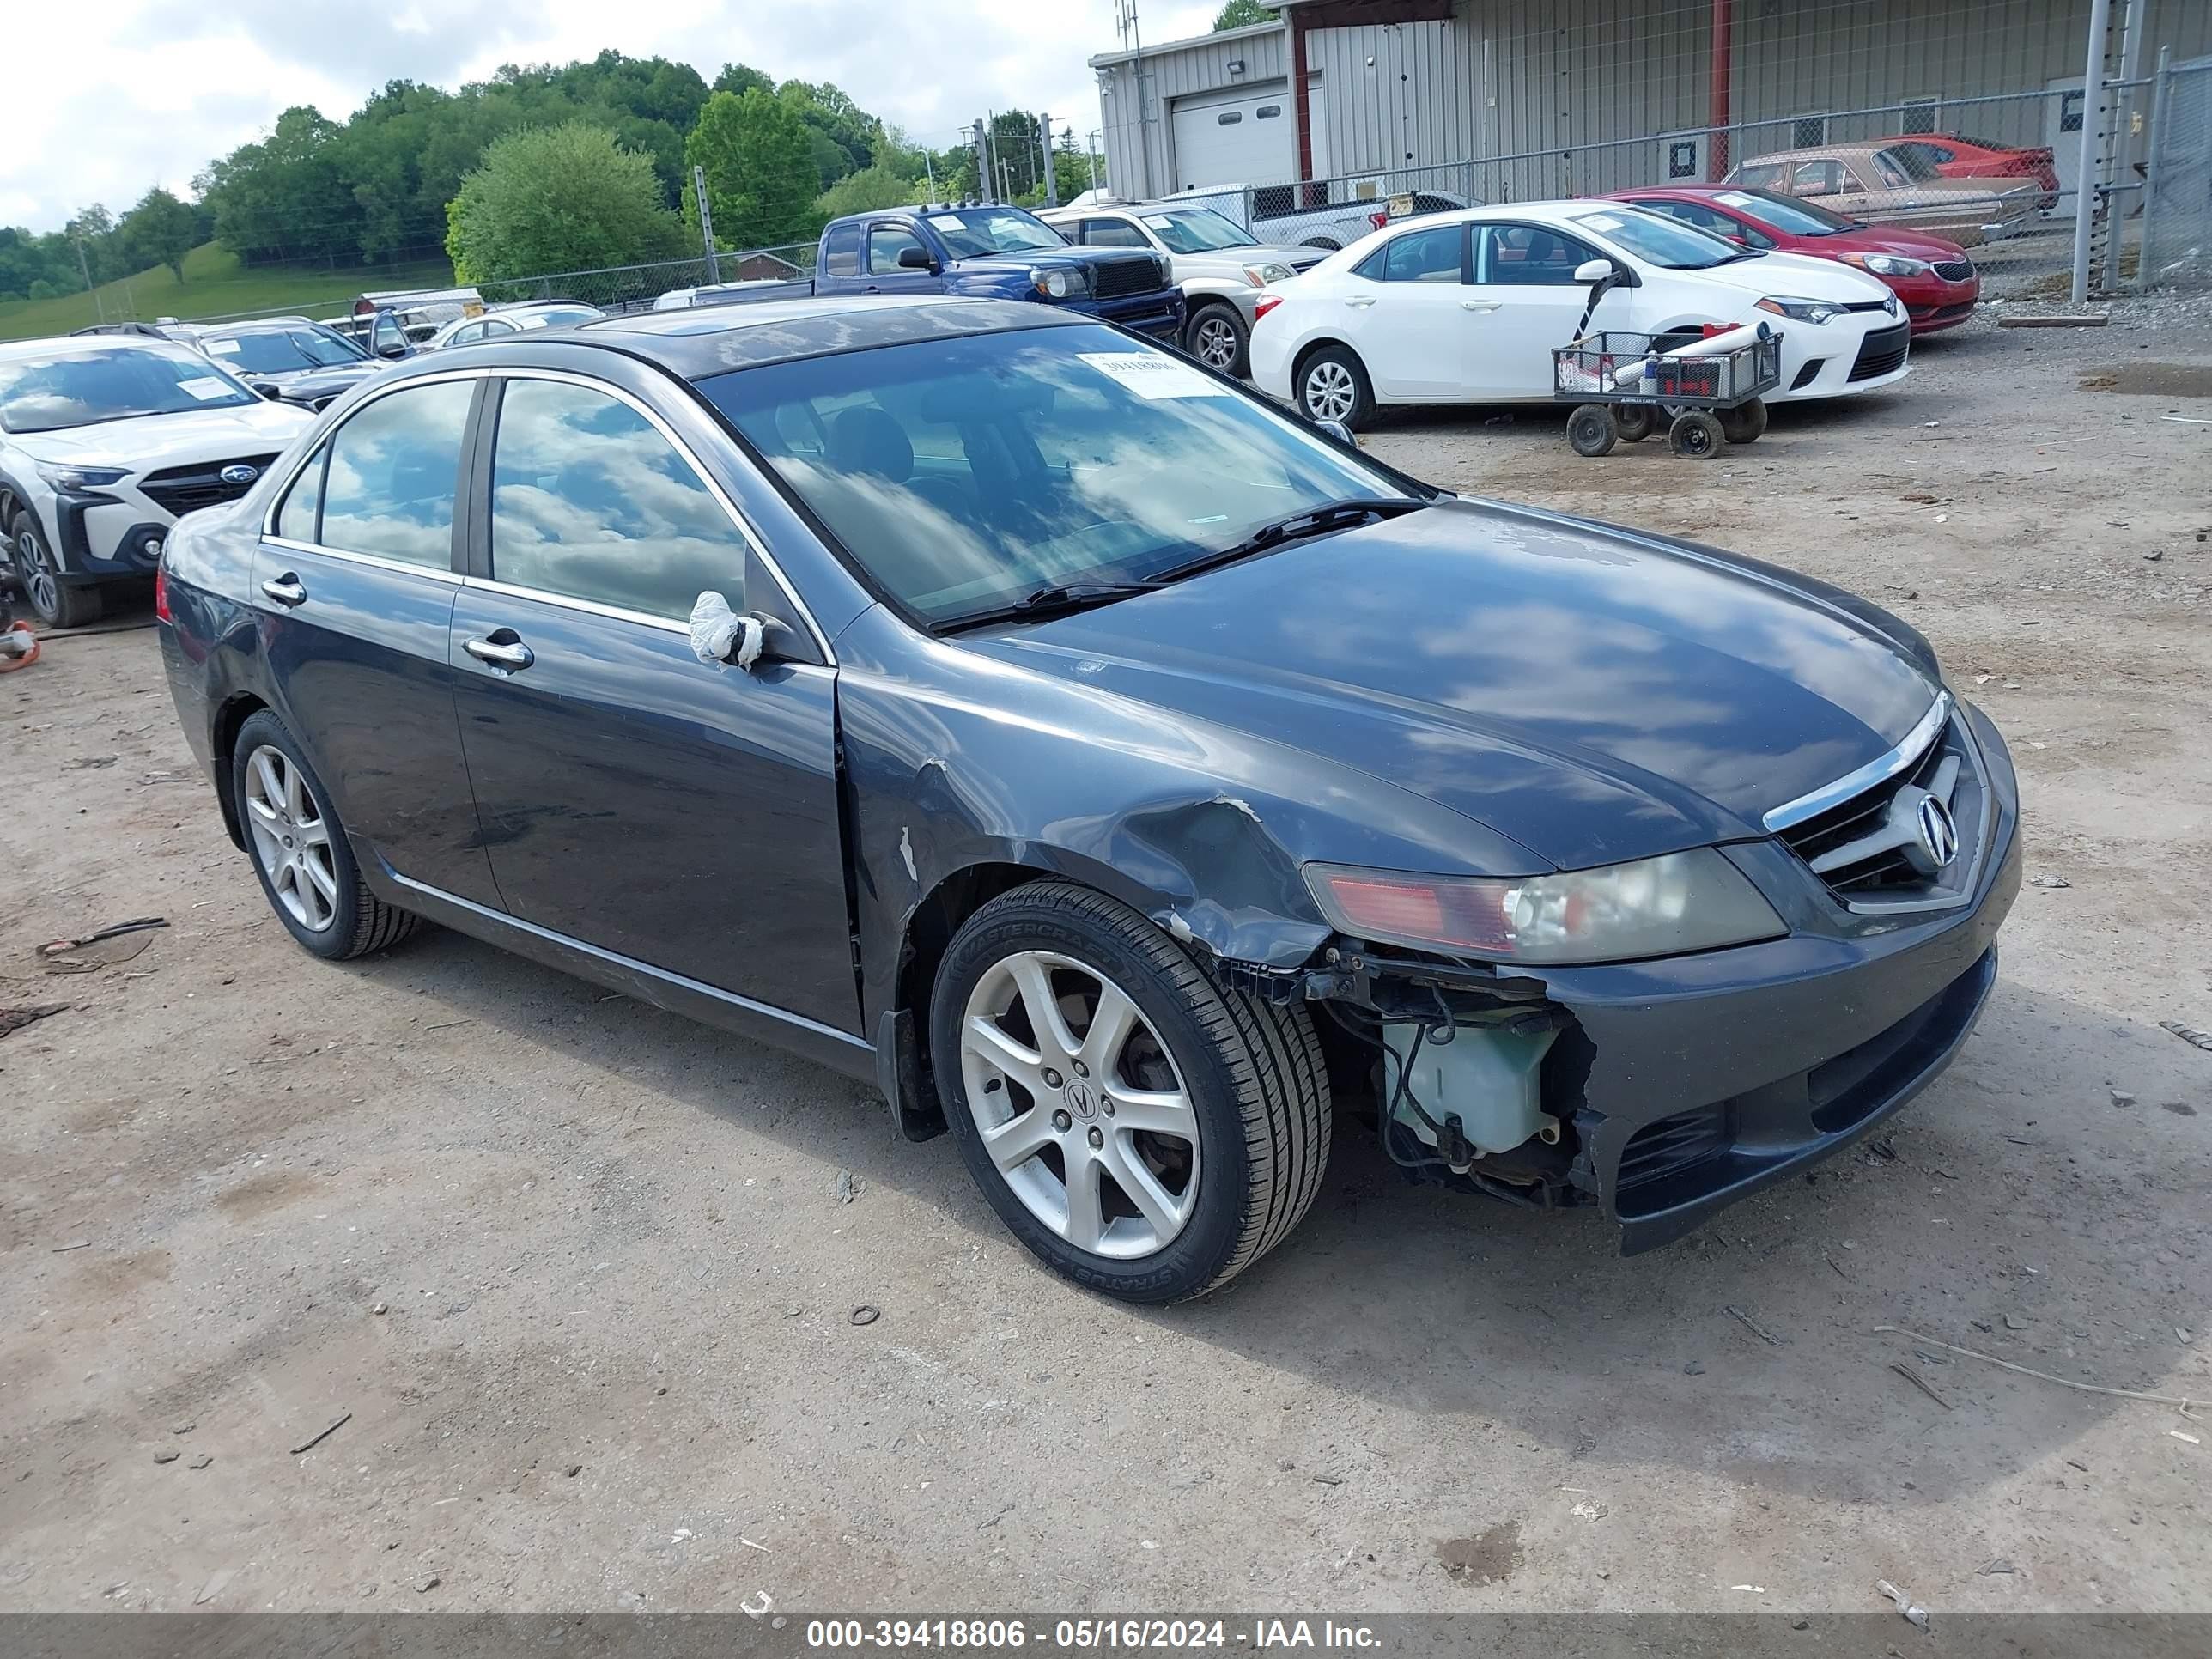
(1216, 337)
(1591, 430)
(1143, 1131)
(300, 852)
(1745, 422)
(54, 603)
(1332, 386)
(1695, 435)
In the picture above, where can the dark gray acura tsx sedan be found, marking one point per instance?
(1121, 773)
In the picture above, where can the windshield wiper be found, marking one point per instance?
(1298, 526)
(1053, 599)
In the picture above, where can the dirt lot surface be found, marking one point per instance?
(581, 1276)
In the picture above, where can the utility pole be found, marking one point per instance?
(1091, 151)
(706, 224)
(984, 181)
(929, 172)
(1051, 173)
(86, 271)
(1128, 21)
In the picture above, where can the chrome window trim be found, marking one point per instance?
(1880, 769)
(374, 560)
(757, 542)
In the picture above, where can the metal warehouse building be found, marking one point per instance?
(1508, 100)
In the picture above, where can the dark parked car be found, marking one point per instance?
(287, 359)
(1115, 770)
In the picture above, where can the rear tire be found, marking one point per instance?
(300, 849)
(1332, 386)
(54, 603)
(1238, 1089)
(1695, 435)
(1635, 421)
(1216, 336)
(1591, 431)
(1745, 422)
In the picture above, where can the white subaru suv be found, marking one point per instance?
(105, 441)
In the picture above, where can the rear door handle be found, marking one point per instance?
(1360, 305)
(1480, 305)
(285, 590)
(514, 656)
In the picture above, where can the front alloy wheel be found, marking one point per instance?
(1143, 1129)
(53, 603)
(1078, 1105)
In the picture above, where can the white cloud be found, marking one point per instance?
(151, 90)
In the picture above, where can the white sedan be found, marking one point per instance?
(1466, 307)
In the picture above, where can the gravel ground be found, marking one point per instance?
(581, 1275)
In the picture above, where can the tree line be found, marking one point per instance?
(540, 168)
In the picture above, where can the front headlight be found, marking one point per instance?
(1803, 311)
(1260, 275)
(1888, 265)
(1060, 283)
(1667, 906)
(80, 478)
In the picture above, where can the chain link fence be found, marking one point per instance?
(2175, 244)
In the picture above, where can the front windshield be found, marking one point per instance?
(968, 473)
(67, 389)
(1656, 241)
(1798, 218)
(1197, 230)
(280, 352)
(972, 231)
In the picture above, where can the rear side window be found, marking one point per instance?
(303, 501)
(840, 251)
(1419, 256)
(1112, 233)
(394, 470)
(589, 501)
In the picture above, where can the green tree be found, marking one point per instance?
(558, 199)
(1242, 14)
(870, 188)
(160, 231)
(742, 78)
(761, 176)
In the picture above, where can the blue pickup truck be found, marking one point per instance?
(985, 252)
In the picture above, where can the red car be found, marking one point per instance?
(1933, 279)
(1955, 157)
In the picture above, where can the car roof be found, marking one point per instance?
(703, 341)
(1819, 153)
(87, 345)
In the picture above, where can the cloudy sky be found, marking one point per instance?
(150, 90)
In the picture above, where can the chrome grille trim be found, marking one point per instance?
(1880, 770)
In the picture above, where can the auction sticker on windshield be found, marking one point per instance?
(948, 221)
(204, 388)
(1736, 198)
(1152, 377)
(1160, 221)
(222, 347)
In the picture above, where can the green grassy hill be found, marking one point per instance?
(215, 285)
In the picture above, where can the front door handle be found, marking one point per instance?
(511, 655)
(286, 590)
(1480, 305)
(1360, 305)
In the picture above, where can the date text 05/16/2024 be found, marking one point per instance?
(1086, 1635)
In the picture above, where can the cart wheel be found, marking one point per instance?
(1695, 435)
(1591, 430)
(1744, 423)
(1635, 421)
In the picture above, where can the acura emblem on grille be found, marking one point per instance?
(239, 473)
(1939, 836)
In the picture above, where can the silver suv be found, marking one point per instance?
(1220, 267)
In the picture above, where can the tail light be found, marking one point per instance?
(1378, 220)
(1264, 303)
(161, 594)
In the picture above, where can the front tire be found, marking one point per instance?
(1695, 435)
(1591, 430)
(1216, 336)
(1143, 1131)
(300, 849)
(54, 603)
(1332, 386)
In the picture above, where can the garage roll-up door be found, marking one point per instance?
(1244, 138)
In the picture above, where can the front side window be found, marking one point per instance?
(885, 244)
(1532, 256)
(966, 473)
(394, 471)
(590, 501)
(1816, 179)
(48, 393)
(386, 334)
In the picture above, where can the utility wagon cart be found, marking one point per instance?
(1624, 385)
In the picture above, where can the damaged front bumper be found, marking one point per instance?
(1685, 1084)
